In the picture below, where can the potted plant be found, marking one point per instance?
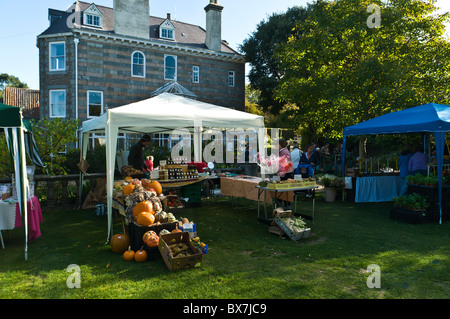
(411, 208)
(331, 185)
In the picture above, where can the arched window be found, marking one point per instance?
(170, 67)
(138, 64)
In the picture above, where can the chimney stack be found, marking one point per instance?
(214, 25)
(131, 18)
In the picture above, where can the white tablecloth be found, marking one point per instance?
(377, 189)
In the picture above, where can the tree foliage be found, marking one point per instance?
(52, 138)
(258, 49)
(338, 72)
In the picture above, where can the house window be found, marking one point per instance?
(231, 78)
(170, 67)
(196, 74)
(57, 103)
(138, 64)
(57, 56)
(93, 20)
(94, 103)
(167, 34)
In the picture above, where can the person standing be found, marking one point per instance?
(285, 152)
(136, 156)
(418, 162)
(403, 163)
(310, 157)
(149, 162)
(295, 155)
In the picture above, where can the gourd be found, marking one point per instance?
(128, 255)
(144, 206)
(151, 239)
(119, 243)
(176, 230)
(156, 186)
(145, 219)
(128, 189)
(140, 256)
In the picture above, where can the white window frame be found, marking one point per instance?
(231, 78)
(168, 33)
(50, 57)
(86, 19)
(51, 103)
(101, 107)
(176, 67)
(195, 74)
(132, 65)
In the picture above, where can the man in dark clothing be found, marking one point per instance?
(136, 157)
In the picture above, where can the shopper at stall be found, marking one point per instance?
(149, 162)
(136, 156)
(418, 162)
(403, 164)
(295, 155)
(287, 171)
(310, 157)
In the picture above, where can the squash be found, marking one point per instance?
(140, 256)
(144, 206)
(151, 239)
(128, 179)
(128, 189)
(156, 186)
(119, 243)
(145, 219)
(128, 255)
(176, 230)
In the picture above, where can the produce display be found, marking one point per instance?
(143, 205)
(297, 224)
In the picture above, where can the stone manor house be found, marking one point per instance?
(93, 57)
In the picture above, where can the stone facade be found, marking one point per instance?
(105, 63)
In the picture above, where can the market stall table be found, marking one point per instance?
(10, 217)
(277, 193)
(377, 188)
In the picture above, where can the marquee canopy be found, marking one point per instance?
(431, 118)
(20, 141)
(164, 113)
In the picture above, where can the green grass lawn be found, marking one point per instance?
(244, 260)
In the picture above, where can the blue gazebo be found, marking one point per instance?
(428, 118)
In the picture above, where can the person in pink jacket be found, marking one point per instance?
(287, 168)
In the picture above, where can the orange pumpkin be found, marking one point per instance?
(151, 239)
(145, 182)
(119, 243)
(176, 230)
(145, 206)
(128, 255)
(145, 219)
(140, 256)
(128, 189)
(156, 186)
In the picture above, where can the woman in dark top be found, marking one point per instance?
(309, 157)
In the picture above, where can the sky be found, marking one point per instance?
(19, 55)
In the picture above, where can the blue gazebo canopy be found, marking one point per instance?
(431, 117)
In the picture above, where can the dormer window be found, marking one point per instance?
(167, 29)
(93, 17)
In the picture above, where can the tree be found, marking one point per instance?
(258, 49)
(9, 80)
(339, 71)
(52, 138)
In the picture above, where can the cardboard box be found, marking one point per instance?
(179, 263)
